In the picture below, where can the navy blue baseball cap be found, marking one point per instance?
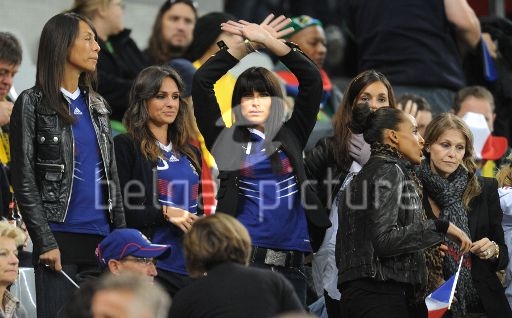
(127, 242)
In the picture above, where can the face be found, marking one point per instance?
(375, 94)
(115, 12)
(178, 25)
(312, 41)
(164, 107)
(255, 108)
(479, 106)
(139, 266)
(8, 261)
(83, 53)
(112, 304)
(410, 143)
(447, 152)
(423, 118)
(7, 72)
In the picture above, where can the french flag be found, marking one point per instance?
(440, 300)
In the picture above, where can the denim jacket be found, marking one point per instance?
(42, 152)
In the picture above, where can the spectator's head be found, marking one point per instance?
(214, 240)
(390, 126)
(128, 250)
(156, 99)
(504, 175)
(106, 15)
(370, 87)
(186, 70)
(449, 145)
(67, 45)
(10, 60)
(11, 237)
(475, 99)
(172, 30)
(206, 35)
(310, 36)
(129, 296)
(424, 111)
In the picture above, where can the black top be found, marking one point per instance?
(409, 41)
(231, 290)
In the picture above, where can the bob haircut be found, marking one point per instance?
(12, 231)
(57, 37)
(180, 132)
(343, 116)
(438, 126)
(213, 240)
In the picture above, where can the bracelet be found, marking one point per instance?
(222, 45)
(249, 47)
(496, 249)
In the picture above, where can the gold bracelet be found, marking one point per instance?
(248, 46)
(496, 249)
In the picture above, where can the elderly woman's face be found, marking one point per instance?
(8, 261)
(447, 152)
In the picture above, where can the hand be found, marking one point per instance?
(458, 236)
(443, 248)
(5, 112)
(179, 217)
(270, 28)
(483, 248)
(51, 259)
(358, 149)
(410, 108)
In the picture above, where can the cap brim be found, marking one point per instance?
(494, 147)
(152, 251)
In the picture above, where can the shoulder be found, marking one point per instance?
(488, 184)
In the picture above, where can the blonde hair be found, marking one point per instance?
(504, 175)
(214, 240)
(438, 126)
(12, 231)
(88, 8)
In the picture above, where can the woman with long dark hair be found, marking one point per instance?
(159, 169)
(63, 168)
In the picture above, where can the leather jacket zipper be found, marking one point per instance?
(52, 166)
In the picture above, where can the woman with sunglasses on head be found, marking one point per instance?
(260, 156)
(64, 171)
(159, 169)
(382, 232)
(332, 163)
(452, 191)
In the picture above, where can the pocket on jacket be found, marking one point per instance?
(51, 181)
(49, 144)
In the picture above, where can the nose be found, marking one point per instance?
(422, 141)
(96, 46)
(321, 48)
(152, 270)
(13, 259)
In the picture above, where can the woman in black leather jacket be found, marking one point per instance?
(63, 169)
(382, 228)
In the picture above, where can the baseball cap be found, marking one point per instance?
(127, 242)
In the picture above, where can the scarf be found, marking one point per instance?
(447, 194)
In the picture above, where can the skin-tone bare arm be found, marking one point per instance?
(267, 34)
(462, 16)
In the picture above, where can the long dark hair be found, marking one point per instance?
(343, 116)
(259, 79)
(158, 49)
(146, 86)
(57, 37)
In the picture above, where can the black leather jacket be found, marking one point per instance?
(382, 228)
(42, 152)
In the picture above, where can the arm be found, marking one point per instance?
(465, 21)
(389, 237)
(23, 155)
(141, 208)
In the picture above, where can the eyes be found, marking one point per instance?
(162, 96)
(367, 98)
(447, 146)
(249, 96)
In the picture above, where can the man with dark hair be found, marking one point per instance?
(10, 60)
